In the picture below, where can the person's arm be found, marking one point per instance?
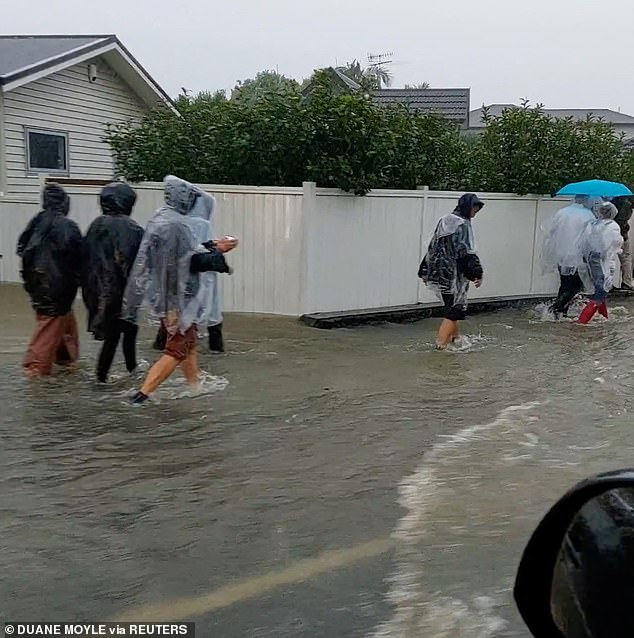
(468, 262)
(26, 236)
(212, 261)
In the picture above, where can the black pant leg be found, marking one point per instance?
(216, 341)
(571, 286)
(129, 331)
(112, 334)
(161, 338)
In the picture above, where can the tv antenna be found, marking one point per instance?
(378, 63)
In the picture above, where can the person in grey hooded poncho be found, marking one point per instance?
(199, 219)
(166, 279)
(451, 263)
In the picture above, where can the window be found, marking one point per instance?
(46, 151)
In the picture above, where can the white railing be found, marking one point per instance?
(309, 250)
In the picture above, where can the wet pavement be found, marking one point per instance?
(345, 483)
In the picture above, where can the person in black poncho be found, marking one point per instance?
(451, 263)
(110, 248)
(50, 249)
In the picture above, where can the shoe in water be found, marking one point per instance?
(139, 398)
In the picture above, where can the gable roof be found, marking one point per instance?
(452, 104)
(340, 82)
(608, 115)
(25, 58)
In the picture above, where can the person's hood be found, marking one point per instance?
(203, 206)
(606, 211)
(117, 198)
(589, 202)
(466, 203)
(179, 194)
(56, 199)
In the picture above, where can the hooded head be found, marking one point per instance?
(55, 198)
(179, 194)
(468, 205)
(606, 210)
(117, 198)
(203, 206)
(589, 202)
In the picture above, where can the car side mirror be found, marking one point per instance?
(576, 575)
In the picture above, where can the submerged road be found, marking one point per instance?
(292, 497)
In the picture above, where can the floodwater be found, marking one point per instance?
(324, 484)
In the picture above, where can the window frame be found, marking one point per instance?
(27, 148)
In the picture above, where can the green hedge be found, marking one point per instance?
(281, 138)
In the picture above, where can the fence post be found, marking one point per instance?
(535, 253)
(309, 209)
(422, 238)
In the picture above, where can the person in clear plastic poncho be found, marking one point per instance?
(166, 278)
(451, 264)
(600, 244)
(562, 248)
(199, 219)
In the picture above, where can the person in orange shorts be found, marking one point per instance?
(166, 278)
(50, 249)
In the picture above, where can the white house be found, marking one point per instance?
(57, 96)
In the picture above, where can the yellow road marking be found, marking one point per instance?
(188, 608)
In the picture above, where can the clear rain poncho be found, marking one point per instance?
(600, 244)
(451, 261)
(161, 278)
(562, 234)
(200, 219)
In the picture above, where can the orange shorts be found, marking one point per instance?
(179, 345)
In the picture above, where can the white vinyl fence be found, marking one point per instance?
(306, 250)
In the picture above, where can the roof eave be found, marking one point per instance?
(108, 45)
(54, 61)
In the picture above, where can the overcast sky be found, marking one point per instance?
(564, 53)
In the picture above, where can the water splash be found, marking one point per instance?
(421, 609)
(469, 343)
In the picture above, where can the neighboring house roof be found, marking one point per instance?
(608, 115)
(349, 82)
(25, 58)
(452, 104)
(340, 81)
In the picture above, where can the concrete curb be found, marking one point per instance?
(417, 312)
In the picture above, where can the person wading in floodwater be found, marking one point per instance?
(562, 249)
(451, 263)
(200, 219)
(166, 277)
(601, 243)
(50, 249)
(110, 248)
(623, 216)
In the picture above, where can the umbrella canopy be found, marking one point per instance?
(596, 188)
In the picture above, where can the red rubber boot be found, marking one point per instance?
(588, 312)
(603, 310)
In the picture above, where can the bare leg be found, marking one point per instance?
(448, 330)
(190, 367)
(158, 373)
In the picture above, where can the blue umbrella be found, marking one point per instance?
(596, 188)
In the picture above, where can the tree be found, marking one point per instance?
(523, 150)
(345, 140)
(265, 82)
(422, 85)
